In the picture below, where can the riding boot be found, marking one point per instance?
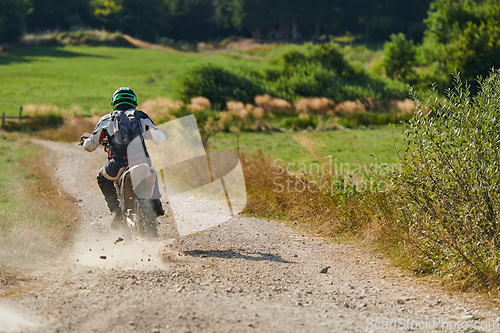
(109, 191)
(117, 221)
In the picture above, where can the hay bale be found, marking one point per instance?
(349, 107)
(199, 103)
(317, 105)
(272, 104)
(237, 109)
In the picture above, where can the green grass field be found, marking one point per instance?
(347, 146)
(87, 76)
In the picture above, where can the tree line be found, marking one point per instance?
(200, 20)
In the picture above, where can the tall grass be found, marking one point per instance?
(328, 203)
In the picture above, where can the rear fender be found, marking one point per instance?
(143, 180)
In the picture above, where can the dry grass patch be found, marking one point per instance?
(36, 217)
(328, 210)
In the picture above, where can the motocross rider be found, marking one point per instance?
(123, 99)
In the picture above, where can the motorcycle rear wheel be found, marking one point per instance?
(147, 224)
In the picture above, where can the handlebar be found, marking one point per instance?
(105, 143)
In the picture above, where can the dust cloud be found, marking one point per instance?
(15, 321)
(113, 250)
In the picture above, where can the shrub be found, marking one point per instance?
(322, 71)
(448, 188)
(400, 58)
(220, 85)
(463, 36)
(301, 123)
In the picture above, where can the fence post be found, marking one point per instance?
(21, 113)
(3, 119)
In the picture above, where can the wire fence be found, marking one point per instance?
(12, 119)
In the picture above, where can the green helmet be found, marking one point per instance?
(124, 95)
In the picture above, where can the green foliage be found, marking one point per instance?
(301, 123)
(58, 14)
(321, 71)
(461, 36)
(12, 20)
(229, 13)
(105, 10)
(373, 118)
(195, 20)
(306, 71)
(448, 187)
(400, 58)
(477, 49)
(220, 85)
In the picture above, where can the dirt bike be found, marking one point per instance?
(139, 217)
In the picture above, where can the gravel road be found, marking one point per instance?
(246, 275)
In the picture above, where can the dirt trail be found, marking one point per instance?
(246, 275)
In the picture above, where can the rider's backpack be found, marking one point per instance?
(126, 127)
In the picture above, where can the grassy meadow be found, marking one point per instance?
(83, 78)
(344, 146)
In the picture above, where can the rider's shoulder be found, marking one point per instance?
(106, 117)
(142, 114)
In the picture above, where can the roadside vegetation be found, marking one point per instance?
(434, 208)
(36, 218)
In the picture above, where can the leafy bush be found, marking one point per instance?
(448, 188)
(298, 72)
(461, 36)
(220, 85)
(322, 71)
(400, 58)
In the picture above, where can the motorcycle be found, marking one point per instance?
(135, 189)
